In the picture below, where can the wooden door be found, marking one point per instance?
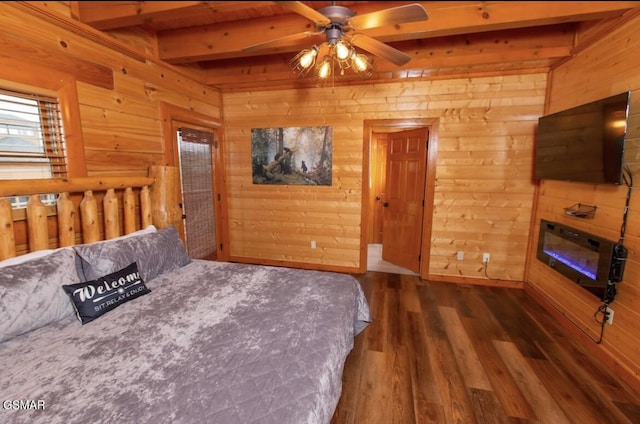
(404, 198)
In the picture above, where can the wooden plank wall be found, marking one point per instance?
(120, 122)
(608, 67)
(484, 194)
(483, 189)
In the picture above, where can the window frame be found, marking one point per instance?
(31, 78)
(50, 156)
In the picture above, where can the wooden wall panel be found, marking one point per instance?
(608, 67)
(121, 122)
(483, 195)
(483, 191)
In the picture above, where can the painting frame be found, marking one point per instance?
(292, 155)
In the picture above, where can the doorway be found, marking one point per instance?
(196, 177)
(399, 195)
(193, 145)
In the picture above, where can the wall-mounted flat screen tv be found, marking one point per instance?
(584, 143)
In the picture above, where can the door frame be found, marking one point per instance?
(376, 186)
(381, 125)
(171, 115)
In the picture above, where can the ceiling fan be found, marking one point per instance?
(336, 23)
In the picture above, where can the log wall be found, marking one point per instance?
(484, 198)
(116, 89)
(483, 177)
(608, 67)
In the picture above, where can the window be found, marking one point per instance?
(31, 139)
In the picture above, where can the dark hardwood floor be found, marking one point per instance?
(448, 353)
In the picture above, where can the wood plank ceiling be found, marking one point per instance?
(462, 38)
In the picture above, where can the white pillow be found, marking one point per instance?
(26, 257)
(150, 229)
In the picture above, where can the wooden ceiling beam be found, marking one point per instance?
(514, 49)
(118, 14)
(227, 40)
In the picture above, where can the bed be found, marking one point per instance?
(130, 329)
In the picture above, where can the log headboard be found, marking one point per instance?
(86, 209)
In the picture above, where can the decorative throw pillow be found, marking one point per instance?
(30, 295)
(156, 253)
(93, 299)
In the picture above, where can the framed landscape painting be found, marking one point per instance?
(292, 156)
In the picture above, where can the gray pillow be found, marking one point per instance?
(30, 294)
(148, 229)
(156, 253)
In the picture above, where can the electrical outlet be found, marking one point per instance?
(485, 257)
(460, 255)
(609, 316)
(313, 244)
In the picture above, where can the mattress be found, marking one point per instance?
(213, 342)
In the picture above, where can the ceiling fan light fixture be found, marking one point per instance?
(324, 69)
(302, 63)
(343, 50)
(308, 58)
(361, 64)
(341, 54)
(338, 52)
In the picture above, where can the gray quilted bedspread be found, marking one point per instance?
(212, 343)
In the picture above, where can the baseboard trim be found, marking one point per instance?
(476, 281)
(599, 351)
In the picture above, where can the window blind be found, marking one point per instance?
(32, 142)
(196, 170)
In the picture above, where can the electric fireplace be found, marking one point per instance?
(588, 260)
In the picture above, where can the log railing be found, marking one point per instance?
(156, 205)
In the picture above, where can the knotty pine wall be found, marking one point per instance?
(483, 179)
(119, 89)
(608, 67)
(484, 197)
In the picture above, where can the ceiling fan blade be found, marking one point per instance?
(284, 41)
(302, 9)
(379, 48)
(396, 15)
